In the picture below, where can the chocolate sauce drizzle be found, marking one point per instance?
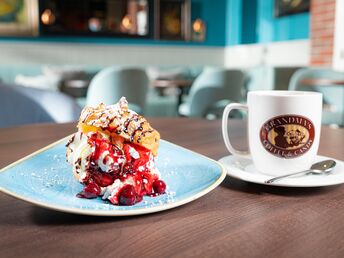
(112, 122)
(70, 140)
(78, 165)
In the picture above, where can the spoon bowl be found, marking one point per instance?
(322, 167)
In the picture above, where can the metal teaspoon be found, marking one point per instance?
(322, 167)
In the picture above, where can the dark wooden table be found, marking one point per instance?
(237, 219)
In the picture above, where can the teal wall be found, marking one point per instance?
(253, 21)
(233, 22)
(213, 12)
(249, 21)
(279, 29)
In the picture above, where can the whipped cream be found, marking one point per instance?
(133, 153)
(78, 153)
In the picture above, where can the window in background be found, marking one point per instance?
(96, 17)
(173, 19)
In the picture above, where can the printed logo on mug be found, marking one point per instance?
(283, 130)
(287, 136)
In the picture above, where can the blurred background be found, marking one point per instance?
(168, 57)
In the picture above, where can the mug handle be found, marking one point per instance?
(228, 109)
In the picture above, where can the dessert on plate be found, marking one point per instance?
(113, 153)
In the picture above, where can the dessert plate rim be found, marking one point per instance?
(132, 212)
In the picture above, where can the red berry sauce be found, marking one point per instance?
(91, 190)
(133, 162)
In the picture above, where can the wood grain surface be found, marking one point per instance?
(237, 219)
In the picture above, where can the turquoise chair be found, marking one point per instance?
(23, 105)
(212, 90)
(333, 95)
(110, 84)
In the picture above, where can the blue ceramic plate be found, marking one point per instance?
(45, 179)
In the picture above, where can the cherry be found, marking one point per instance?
(102, 179)
(91, 190)
(128, 195)
(159, 187)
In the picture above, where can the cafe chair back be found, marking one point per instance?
(111, 83)
(211, 88)
(24, 105)
(333, 94)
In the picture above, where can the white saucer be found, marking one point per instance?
(245, 170)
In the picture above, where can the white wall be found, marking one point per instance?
(276, 54)
(94, 54)
(338, 53)
(290, 53)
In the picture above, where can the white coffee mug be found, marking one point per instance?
(283, 130)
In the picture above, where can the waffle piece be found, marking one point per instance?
(121, 124)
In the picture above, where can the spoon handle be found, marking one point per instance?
(284, 176)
